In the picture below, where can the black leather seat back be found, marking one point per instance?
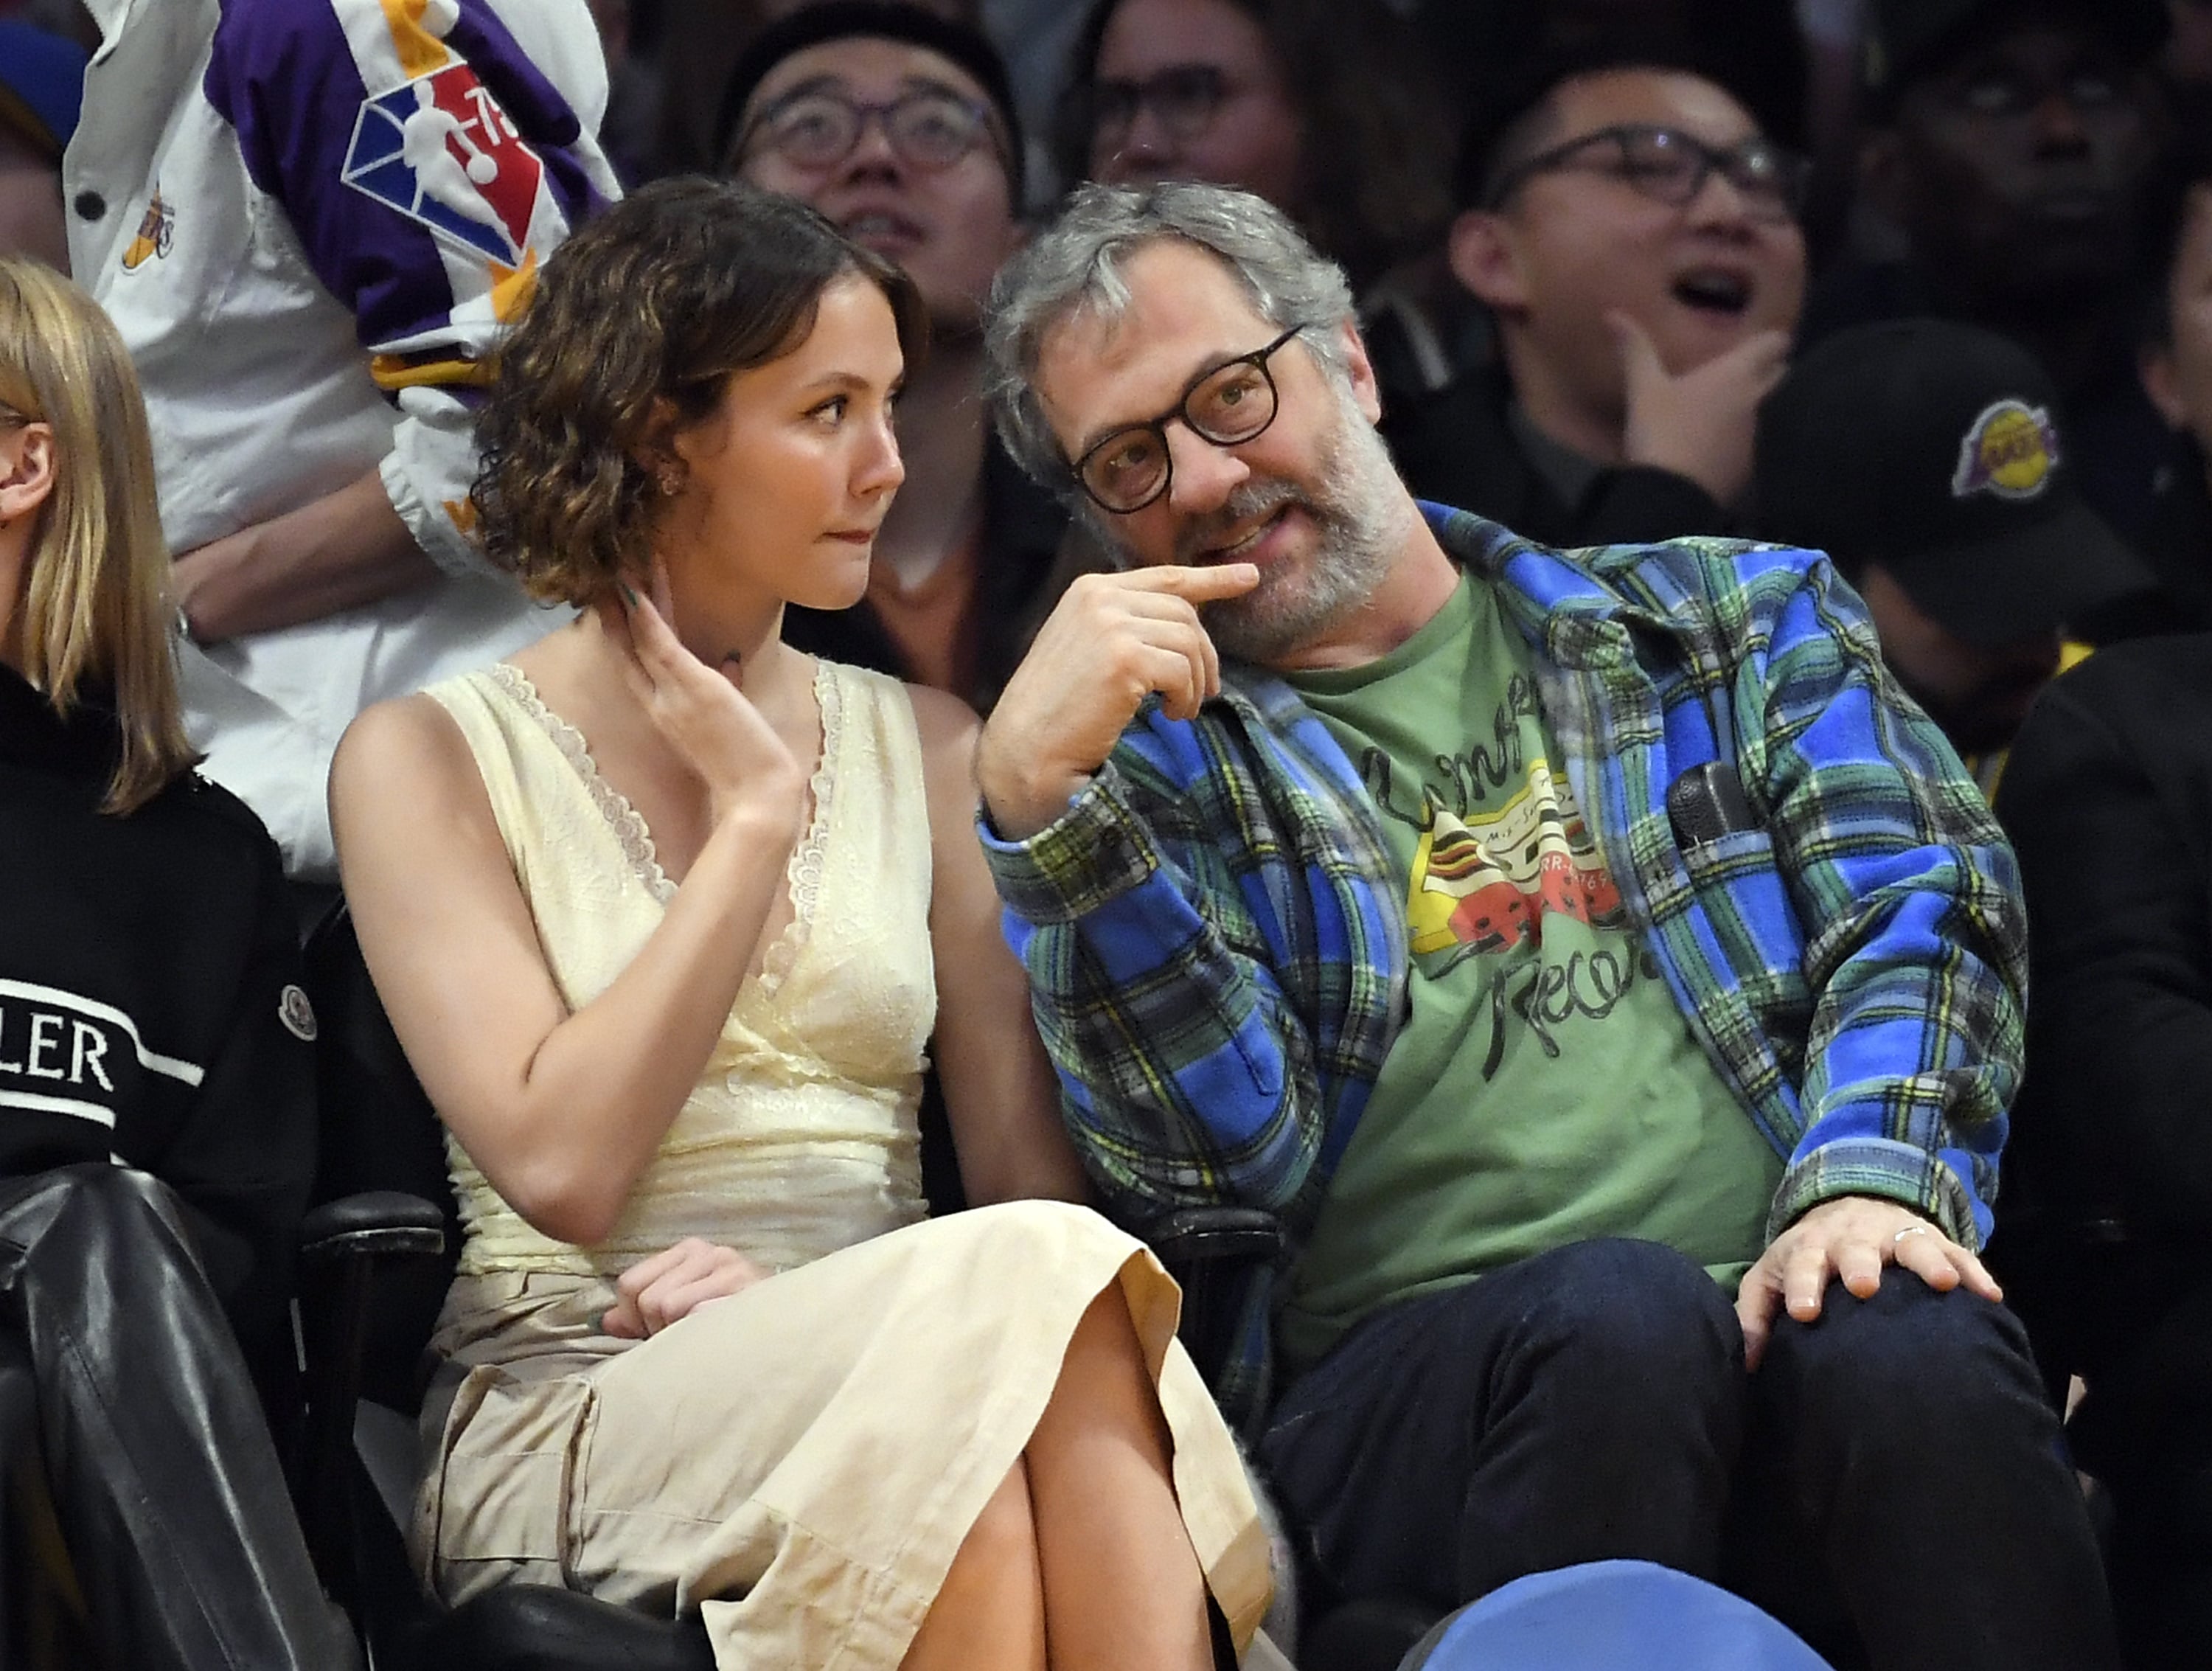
(378, 1131)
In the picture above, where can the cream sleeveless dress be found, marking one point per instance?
(801, 1460)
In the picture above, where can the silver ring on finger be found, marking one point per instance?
(1910, 1230)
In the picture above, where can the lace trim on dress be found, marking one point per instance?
(803, 875)
(626, 821)
(809, 859)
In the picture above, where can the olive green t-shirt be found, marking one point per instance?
(1546, 1088)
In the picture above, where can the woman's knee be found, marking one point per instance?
(1048, 1231)
(92, 1203)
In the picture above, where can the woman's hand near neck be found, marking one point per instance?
(943, 432)
(725, 626)
(702, 711)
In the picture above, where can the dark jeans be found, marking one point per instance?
(169, 1492)
(1894, 1464)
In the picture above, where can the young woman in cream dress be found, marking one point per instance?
(665, 914)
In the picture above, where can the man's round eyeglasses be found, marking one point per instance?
(1232, 402)
(819, 127)
(1671, 167)
(1183, 98)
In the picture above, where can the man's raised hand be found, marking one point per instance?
(1113, 641)
(1698, 423)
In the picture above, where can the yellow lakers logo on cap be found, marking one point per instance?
(156, 233)
(2010, 451)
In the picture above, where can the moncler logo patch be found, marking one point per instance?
(297, 1014)
(2009, 450)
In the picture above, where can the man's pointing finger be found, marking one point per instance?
(1197, 585)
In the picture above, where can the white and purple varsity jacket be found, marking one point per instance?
(311, 220)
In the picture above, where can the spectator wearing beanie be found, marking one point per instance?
(2009, 145)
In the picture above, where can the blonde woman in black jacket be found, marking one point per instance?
(156, 1078)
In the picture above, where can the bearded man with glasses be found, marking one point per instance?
(1635, 239)
(1557, 944)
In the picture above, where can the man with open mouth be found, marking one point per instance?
(1635, 237)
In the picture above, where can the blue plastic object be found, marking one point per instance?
(46, 75)
(1612, 1616)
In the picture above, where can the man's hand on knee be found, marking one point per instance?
(1850, 1238)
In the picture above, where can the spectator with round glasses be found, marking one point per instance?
(899, 126)
(1316, 106)
(1635, 237)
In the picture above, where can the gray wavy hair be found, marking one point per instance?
(1076, 264)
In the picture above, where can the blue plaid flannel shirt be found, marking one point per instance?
(1216, 950)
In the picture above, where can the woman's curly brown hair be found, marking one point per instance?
(660, 299)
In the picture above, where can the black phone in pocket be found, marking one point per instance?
(1706, 803)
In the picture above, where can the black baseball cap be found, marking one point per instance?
(1933, 449)
(961, 44)
(1914, 38)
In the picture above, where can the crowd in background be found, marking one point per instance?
(1923, 284)
(2026, 170)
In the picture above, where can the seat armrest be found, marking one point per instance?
(1212, 1252)
(376, 1224)
(343, 1244)
(1214, 1235)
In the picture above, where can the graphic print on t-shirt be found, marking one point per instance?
(1545, 1086)
(1486, 882)
(1500, 844)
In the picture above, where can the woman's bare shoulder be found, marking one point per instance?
(404, 768)
(946, 725)
(406, 739)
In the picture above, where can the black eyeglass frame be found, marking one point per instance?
(1158, 427)
(986, 120)
(1122, 100)
(1789, 184)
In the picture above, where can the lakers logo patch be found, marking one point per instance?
(157, 230)
(297, 1014)
(2010, 451)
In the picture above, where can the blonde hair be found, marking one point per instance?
(94, 610)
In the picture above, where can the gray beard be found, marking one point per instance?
(1360, 512)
